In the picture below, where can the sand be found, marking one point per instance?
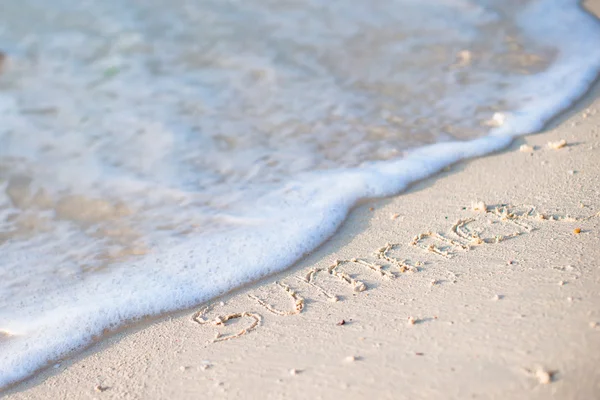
(482, 282)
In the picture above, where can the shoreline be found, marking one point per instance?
(363, 232)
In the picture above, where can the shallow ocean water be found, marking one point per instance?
(154, 154)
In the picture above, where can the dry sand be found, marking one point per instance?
(516, 316)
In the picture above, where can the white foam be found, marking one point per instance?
(50, 305)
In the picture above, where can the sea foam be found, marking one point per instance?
(155, 156)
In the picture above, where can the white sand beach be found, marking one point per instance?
(481, 282)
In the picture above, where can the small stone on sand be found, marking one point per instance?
(100, 388)
(479, 206)
(205, 364)
(544, 377)
(557, 145)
